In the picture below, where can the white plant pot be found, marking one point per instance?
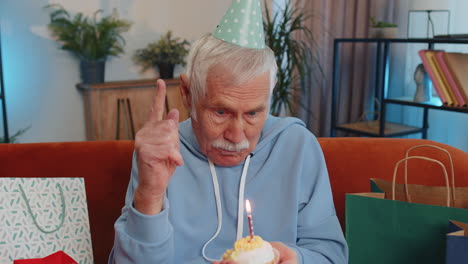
(385, 32)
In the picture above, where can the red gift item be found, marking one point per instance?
(59, 257)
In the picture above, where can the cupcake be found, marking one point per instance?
(252, 251)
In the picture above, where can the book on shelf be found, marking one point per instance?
(452, 36)
(458, 65)
(451, 80)
(432, 75)
(448, 74)
(451, 100)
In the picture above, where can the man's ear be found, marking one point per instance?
(185, 92)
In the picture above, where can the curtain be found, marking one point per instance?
(330, 19)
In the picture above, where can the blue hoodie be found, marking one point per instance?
(287, 183)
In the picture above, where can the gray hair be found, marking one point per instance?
(244, 63)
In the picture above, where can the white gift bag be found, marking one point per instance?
(40, 216)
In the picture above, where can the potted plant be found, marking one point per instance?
(382, 29)
(92, 40)
(14, 138)
(163, 54)
(294, 57)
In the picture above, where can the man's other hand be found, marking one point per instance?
(287, 255)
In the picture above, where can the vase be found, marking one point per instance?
(384, 32)
(92, 71)
(166, 71)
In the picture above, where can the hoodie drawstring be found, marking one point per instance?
(240, 211)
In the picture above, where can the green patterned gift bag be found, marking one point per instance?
(40, 216)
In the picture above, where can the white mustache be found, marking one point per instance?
(229, 146)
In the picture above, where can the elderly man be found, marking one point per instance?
(185, 199)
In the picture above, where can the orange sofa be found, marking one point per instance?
(106, 169)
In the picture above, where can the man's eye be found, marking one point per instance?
(220, 112)
(253, 113)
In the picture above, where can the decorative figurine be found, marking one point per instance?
(423, 85)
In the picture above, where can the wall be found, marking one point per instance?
(40, 78)
(451, 129)
(446, 127)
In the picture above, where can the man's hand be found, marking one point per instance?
(287, 255)
(157, 154)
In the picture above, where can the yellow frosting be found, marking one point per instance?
(241, 245)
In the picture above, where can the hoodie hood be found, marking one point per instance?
(272, 128)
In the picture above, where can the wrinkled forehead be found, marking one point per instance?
(222, 75)
(224, 87)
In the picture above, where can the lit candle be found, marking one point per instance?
(249, 217)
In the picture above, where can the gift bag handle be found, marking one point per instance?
(436, 147)
(62, 197)
(423, 158)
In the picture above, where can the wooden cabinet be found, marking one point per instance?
(117, 110)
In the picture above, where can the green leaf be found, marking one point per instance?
(90, 39)
(294, 57)
(167, 50)
(14, 137)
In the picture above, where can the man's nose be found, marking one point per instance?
(235, 131)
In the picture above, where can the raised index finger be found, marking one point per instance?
(157, 109)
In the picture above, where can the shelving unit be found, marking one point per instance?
(6, 136)
(381, 127)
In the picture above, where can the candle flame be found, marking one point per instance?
(247, 206)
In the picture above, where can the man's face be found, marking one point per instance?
(230, 118)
